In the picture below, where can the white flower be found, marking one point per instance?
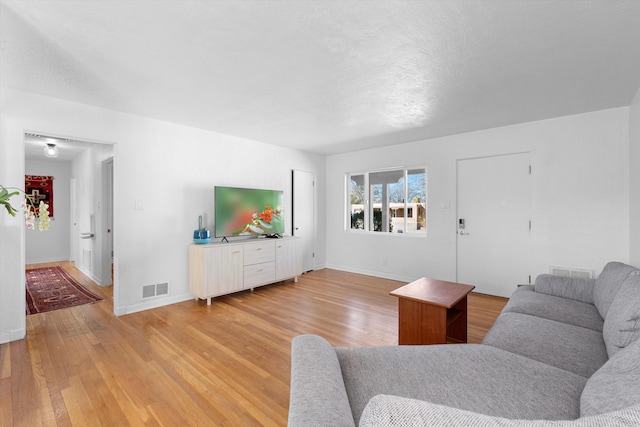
(43, 216)
(29, 218)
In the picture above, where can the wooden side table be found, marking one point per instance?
(432, 312)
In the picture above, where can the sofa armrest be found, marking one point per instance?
(576, 288)
(387, 411)
(318, 394)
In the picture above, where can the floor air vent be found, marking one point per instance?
(571, 272)
(158, 289)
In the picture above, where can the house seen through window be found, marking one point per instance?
(389, 201)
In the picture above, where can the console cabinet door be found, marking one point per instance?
(224, 269)
(288, 259)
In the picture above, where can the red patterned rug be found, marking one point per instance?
(52, 288)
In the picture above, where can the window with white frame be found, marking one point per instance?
(388, 201)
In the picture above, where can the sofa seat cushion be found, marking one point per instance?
(528, 301)
(572, 348)
(608, 283)
(614, 386)
(473, 377)
(622, 325)
(389, 411)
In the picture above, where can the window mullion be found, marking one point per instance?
(367, 204)
(406, 196)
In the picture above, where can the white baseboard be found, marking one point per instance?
(153, 303)
(374, 273)
(89, 274)
(43, 261)
(14, 335)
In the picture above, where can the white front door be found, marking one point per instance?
(494, 223)
(304, 215)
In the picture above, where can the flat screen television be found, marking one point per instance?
(248, 212)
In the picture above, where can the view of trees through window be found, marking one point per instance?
(392, 201)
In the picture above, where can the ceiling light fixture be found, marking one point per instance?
(51, 150)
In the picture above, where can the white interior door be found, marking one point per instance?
(494, 223)
(304, 215)
(107, 218)
(75, 233)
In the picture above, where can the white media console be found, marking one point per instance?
(222, 268)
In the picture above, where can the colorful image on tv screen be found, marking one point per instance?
(248, 211)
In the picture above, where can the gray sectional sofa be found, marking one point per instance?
(563, 352)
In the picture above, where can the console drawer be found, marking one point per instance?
(259, 274)
(259, 252)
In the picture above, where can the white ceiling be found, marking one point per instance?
(328, 76)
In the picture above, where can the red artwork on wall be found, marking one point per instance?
(39, 188)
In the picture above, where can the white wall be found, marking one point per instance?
(12, 254)
(634, 180)
(171, 168)
(53, 244)
(579, 197)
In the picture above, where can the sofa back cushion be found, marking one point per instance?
(622, 324)
(608, 283)
(616, 385)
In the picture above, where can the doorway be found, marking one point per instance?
(494, 222)
(86, 214)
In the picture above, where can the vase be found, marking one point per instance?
(201, 237)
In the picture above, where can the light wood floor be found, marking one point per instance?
(189, 364)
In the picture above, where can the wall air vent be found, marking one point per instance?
(162, 288)
(148, 291)
(572, 272)
(155, 290)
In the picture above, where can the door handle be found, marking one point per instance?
(463, 233)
